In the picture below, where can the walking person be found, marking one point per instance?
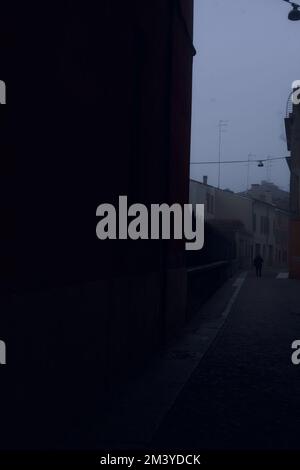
(258, 262)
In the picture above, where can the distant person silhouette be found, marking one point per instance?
(258, 262)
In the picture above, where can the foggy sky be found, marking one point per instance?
(248, 55)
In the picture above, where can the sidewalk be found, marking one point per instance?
(135, 417)
(244, 394)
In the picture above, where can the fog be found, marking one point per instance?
(247, 58)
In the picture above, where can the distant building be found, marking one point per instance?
(206, 194)
(270, 229)
(270, 221)
(269, 192)
(253, 221)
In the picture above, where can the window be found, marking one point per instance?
(264, 224)
(209, 203)
(254, 222)
(241, 248)
(267, 225)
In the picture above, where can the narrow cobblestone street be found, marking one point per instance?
(245, 391)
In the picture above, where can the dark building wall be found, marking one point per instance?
(293, 138)
(100, 106)
(109, 114)
(295, 160)
(294, 248)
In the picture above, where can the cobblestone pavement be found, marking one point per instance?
(245, 393)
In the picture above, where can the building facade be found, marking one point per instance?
(258, 226)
